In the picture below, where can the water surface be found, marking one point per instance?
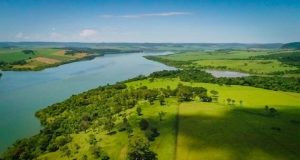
(228, 74)
(23, 93)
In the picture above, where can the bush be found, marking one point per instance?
(144, 124)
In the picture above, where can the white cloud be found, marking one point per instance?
(86, 33)
(163, 14)
(56, 36)
(20, 35)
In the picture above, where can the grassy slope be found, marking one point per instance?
(116, 145)
(219, 131)
(209, 130)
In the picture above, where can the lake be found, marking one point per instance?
(228, 74)
(23, 93)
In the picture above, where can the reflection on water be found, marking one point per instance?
(221, 73)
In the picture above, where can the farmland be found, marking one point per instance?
(37, 59)
(251, 61)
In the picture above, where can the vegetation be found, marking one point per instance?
(293, 45)
(41, 58)
(195, 75)
(272, 62)
(177, 114)
(103, 122)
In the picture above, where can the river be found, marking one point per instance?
(23, 93)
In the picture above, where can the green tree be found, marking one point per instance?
(139, 149)
(144, 124)
(139, 111)
(215, 95)
(228, 101)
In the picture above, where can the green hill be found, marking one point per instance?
(293, 45)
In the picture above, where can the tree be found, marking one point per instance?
(184, 93)
(139, 149)
(228, 100)
(273, 110)
(139, 111)
(98, 152)
(205, 99)
(266, 107)
(161, 99)
(241, 103)
(109, 124)
(144, 124)
(215, 95)
(233, 102)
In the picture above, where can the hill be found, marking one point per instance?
(293, 45)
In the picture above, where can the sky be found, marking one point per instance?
(176, 21)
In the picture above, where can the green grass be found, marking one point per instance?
(205, 55)
(116, 145)
(55, 56)
(221, 131)
(251, 66)
(12, 55)
(207, 130)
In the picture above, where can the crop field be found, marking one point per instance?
(208, 55)
(250, 61)
(39, 59)
(250, 66)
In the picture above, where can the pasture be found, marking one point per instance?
(38, 59)
(209, 55)
(218, 130)
(250, 66)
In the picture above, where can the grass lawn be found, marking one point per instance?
(251, 66)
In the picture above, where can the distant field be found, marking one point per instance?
(251, 61)
(41, 58)
(201, 55)
(251, 66)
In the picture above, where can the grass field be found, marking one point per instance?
(42, 58)
(236, 60)
(221, 131)
(251, 66)
(209, 131)
(206, 55)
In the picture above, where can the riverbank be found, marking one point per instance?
(23, 93)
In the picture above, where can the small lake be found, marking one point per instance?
(23, 93)
(228, 74)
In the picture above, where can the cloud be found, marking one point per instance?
(20, 35)
(56, 36)
(86, 33)
(163, 14)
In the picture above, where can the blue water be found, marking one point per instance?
(23, 93)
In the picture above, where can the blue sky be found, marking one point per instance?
(245, 21)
